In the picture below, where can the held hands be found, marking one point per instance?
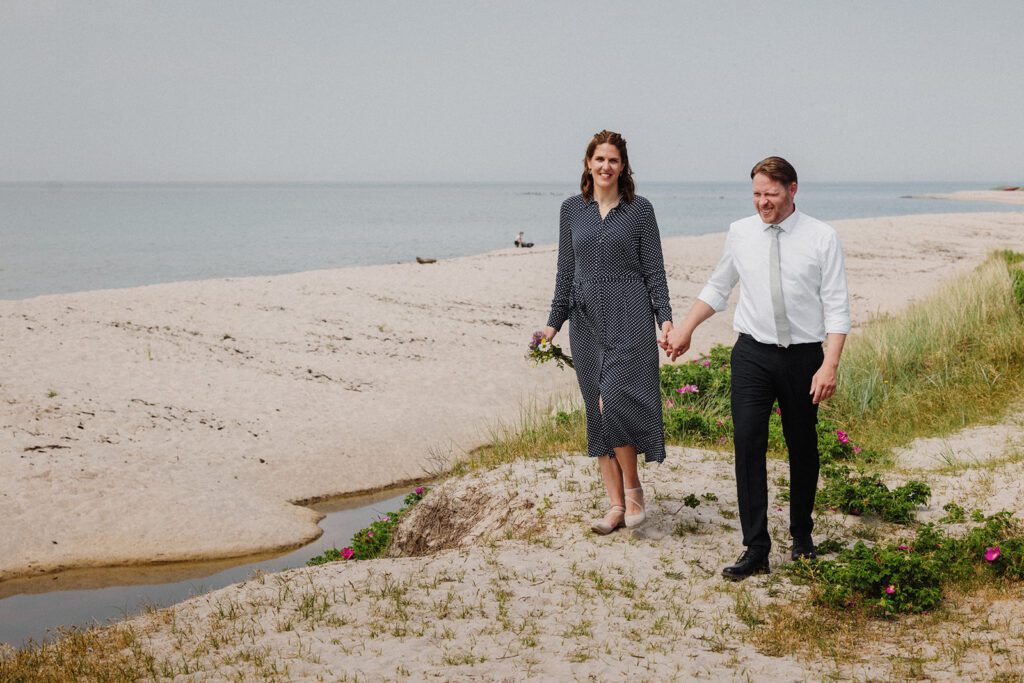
(666, 327)
(823, 384)
(677, 342)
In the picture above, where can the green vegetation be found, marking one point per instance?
(910, 576)
(946, 362)
(373, 540)
(861, 493)
(539, 433)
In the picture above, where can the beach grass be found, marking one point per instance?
(107, 655)
(946, 362)
(542, 430)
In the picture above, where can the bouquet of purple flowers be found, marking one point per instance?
(542, 350)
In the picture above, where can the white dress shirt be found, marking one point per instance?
(813, 279)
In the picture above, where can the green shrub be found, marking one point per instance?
(911, 576)
(373, 540)
(861, 493)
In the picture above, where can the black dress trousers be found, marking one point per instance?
(762, 373)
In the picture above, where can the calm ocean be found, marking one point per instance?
(66, 238)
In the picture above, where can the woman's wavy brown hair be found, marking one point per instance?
(626, 187)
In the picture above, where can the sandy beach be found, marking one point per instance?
(185, 421)
(998, 196)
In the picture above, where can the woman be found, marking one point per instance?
(611, 286)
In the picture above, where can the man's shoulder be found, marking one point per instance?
(816, 227)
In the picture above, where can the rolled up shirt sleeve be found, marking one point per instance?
(835, 297)
(561, 303)
(725, 276)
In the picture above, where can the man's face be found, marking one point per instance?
(772, 199)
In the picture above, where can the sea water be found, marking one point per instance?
(74, 237)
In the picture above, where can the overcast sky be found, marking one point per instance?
(216, 90)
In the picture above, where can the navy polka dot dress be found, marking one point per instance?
(611, 287)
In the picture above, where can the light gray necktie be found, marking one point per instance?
(775, 279)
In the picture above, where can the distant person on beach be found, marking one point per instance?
(793, 296)
(521, 240)
(611, 287)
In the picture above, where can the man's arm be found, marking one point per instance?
(713, 298)
(679, 338)
(835, 300)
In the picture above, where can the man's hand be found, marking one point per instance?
(678, 342)
(823, 384)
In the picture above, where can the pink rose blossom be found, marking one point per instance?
(369, 534)
(993, 553)
(890, 589)
(856, 449)
(706, 363)
(842, 436)
(688, 389)
(670, 403)
(904, 547)
(778, 411)
(347, 553)
(419, 490)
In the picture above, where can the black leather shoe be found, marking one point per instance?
(752, 561)
(803, 549)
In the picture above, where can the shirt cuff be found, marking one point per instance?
(713, 299)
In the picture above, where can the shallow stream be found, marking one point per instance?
(35, 608)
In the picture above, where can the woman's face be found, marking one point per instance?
(605, 166)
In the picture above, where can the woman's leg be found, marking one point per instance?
(625, 456)
(615, 518)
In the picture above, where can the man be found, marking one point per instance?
(792, 297)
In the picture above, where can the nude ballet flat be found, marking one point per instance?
(636, 496)
(599, 526)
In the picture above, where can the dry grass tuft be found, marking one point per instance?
(103, 655)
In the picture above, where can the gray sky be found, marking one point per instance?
(217, 90)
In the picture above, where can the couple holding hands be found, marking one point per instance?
(611, 286)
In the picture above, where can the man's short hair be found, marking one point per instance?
(777, 169)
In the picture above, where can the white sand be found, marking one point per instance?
(187, 416)
(521, 590)
(999, 196)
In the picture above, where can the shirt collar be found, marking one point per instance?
(788, 224)
(617, 207)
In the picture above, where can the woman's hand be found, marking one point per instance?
(666, 327)
(549, 332)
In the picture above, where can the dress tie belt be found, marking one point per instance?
(607, 278)
(576, 291)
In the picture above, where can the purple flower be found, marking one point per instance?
(993, 553)
(904, 547)
(842, 436)
(706, 363)
(890, 589)
(419, 490)
(347, 553)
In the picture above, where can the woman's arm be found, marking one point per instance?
(560, 303)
